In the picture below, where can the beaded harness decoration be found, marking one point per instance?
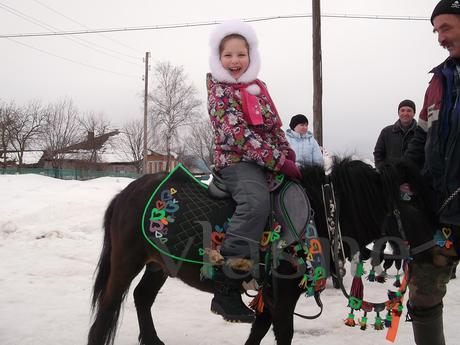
(393, 305)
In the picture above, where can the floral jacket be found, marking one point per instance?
(236, 138)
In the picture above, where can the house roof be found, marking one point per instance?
(91, 142)
(28, 157)
(32, 157)
(162, 153)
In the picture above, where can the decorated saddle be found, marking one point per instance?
(181, 219)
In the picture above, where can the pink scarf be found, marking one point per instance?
(251, 107)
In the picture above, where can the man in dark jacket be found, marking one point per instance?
(435, 147)
(393, 139)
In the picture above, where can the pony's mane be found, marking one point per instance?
(368, 196)
(359, 194)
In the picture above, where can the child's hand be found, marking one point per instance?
(290, 169)
(290, 154)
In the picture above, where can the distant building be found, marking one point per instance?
(156, 161)
(7, 159)
(95, 153)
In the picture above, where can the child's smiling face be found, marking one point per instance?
(235, 57)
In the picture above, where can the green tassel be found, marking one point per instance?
(363, 322)
(371, 276)
(400, 309)
(378, 325)
(206, 272)
(388, 320)
(359, 269)
(397, 282)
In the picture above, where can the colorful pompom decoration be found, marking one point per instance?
(350, 320)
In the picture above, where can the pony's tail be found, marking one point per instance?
(103, 267)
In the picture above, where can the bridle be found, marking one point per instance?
(333, 229)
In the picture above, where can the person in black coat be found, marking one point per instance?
(393, 139)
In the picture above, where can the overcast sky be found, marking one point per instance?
(369, 65)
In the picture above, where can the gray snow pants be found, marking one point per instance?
(247, 184)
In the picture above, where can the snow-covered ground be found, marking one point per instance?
(50, 239)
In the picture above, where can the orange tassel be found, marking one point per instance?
(257, 304)
(350, 320)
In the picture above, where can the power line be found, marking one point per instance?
(86, 27)
(71, 60)
(77, 40)
(208, 23)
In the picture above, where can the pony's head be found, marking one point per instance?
(367, 200)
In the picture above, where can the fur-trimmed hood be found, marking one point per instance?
(220, 32)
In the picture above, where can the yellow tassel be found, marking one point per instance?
(303, 283)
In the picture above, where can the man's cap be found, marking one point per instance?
(407, 103)
(446, 7)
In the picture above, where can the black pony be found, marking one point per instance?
(365, 201)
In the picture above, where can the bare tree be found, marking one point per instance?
(174, 102)
(155, 136)
(131, 142)
(7, 118)
(201, 141)
(61, 129)
(28, 127)
(94, 125)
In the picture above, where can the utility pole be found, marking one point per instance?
(317, 74)
(146, 92)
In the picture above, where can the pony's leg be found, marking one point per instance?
(260, 327)
(114, 288)
(144, 296)
(287, 294)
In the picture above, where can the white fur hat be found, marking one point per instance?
(217, 35)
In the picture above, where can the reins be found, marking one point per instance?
(320, 305)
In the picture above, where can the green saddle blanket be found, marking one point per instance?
(180, 219)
